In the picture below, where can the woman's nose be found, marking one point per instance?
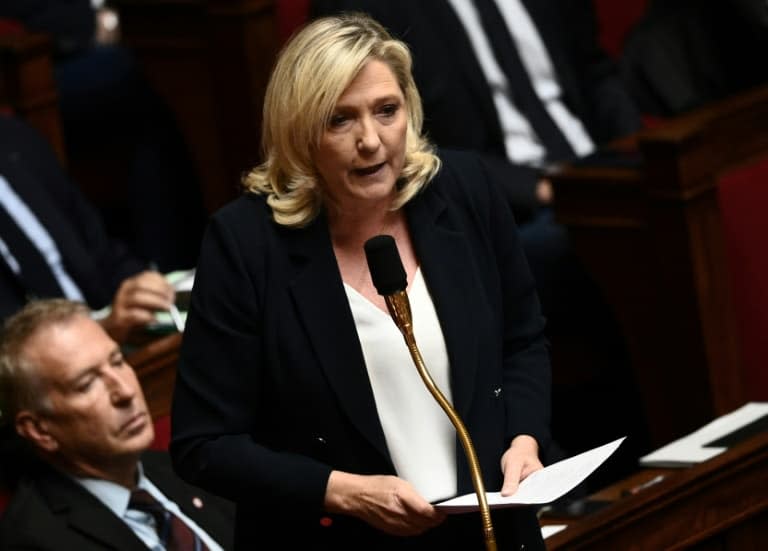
(368, 140)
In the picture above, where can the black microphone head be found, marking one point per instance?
(384, 263)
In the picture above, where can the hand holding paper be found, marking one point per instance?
(543, 486)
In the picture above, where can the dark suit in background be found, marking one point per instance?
(97, 263)
(51, 512)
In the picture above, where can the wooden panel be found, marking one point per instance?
(210, 60)
(27, 86)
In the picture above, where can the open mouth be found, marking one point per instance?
(367, 171)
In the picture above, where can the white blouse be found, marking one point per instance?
(420, 436)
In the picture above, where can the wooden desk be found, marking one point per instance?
(652, 237)
(155, 364)
(718, 505)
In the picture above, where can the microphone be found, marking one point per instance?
(384, 264)
(391, 282)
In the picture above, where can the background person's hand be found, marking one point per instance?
(544, 191)
(387, 503)
(136, 302)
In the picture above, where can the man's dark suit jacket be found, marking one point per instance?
(51, 512)
(95, 262)
(272, 391)
(458, 103)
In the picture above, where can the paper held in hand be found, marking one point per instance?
(543, 486)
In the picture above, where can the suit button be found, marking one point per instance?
(320, 440)
(497, 392)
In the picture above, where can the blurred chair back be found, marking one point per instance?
(743, 199)
(291, 14)
(615, 20)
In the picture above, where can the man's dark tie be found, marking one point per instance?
(173, 532)
(524, 96)
(36, 275)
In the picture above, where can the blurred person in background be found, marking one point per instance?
(123, 144)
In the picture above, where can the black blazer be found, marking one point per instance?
(458, 103)
(272, 391)
(95, 262)
(51, 512)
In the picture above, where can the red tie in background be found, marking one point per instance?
(174, 533)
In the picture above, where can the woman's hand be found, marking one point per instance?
(520, 460)
(136, 302)
(387, 503)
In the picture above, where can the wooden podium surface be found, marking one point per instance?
(718, 505)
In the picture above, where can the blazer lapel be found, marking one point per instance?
(444, 254)
(322, 305)
(85, 514)
(213, 514)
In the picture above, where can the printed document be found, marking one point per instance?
(543, 486)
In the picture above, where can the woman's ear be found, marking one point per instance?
(34, 428)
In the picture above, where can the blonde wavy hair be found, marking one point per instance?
(312, 71)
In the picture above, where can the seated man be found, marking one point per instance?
(53, 242)
(66, 388)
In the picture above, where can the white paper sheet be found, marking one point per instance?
(552, 529)
(690, 449)
(182, 280)
(543, 486)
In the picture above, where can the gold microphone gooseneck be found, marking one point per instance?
(390, 280)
